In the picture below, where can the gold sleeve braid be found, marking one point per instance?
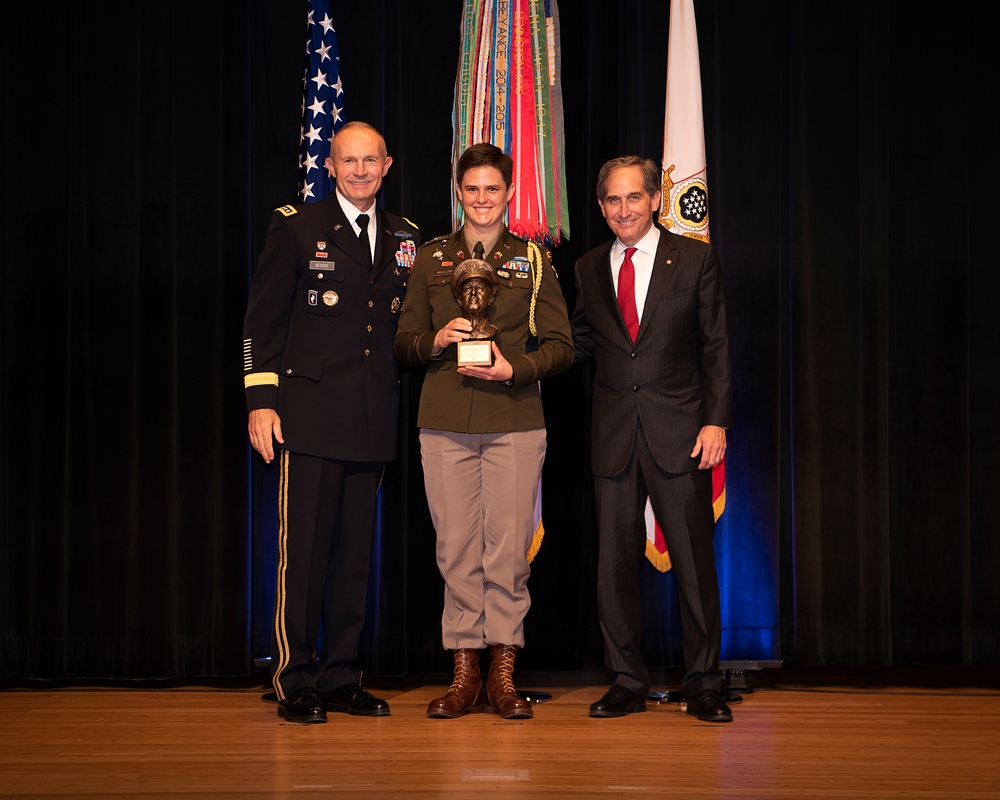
(537, 268)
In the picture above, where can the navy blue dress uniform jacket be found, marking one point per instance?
(677, 376)
(319, 329)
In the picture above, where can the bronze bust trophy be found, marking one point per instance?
(474, 285)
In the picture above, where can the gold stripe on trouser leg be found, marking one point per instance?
(281, 634)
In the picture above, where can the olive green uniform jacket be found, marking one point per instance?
(450, 401)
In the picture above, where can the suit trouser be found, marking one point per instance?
(325, 515)
(481, 491)
(682, 503)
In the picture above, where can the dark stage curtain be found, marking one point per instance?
(851, 176)
(126, 239)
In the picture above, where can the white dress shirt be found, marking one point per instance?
(351, 212)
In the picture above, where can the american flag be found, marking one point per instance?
(322, 103)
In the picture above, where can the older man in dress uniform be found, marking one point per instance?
(321, 382)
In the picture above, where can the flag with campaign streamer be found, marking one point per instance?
(684, 207)
(322, 103)
(508, 93)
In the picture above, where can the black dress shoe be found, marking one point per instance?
(707, 706)
(617, 702)
(352, 699)
(302, 706)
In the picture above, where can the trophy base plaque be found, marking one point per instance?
(475, 353)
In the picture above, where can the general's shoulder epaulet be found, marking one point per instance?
(412, 223)
(287, 211)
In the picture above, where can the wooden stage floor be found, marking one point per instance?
(786, 741)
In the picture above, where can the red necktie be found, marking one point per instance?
(626, 293)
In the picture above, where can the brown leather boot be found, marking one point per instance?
(465, 695)
(501, 696)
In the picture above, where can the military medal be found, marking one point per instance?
(406, 254)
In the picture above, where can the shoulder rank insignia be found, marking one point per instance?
(287, 211)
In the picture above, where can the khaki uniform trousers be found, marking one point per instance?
(481, 491)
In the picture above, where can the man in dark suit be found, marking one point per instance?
(321, 381)
(651, 310)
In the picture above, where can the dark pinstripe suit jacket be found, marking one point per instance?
(677, 376)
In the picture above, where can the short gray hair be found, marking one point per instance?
(650, 173)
